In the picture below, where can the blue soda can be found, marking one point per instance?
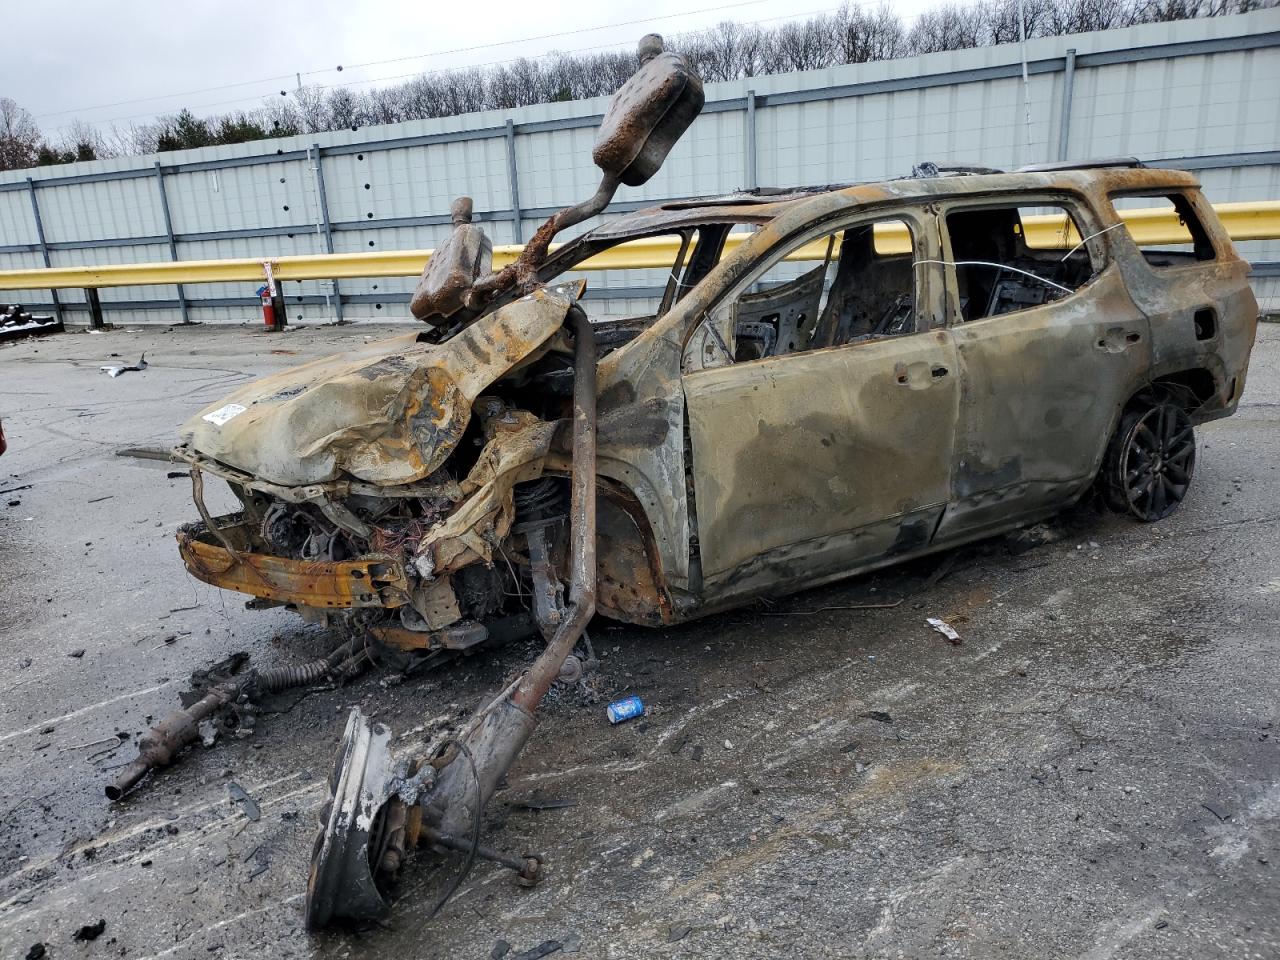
(625, 710)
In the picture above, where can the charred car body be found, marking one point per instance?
(956, 376)
(835, 379)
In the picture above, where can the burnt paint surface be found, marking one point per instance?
(387, 412)
(1040, 392)
(808, 445)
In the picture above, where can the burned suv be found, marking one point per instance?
(833, 379)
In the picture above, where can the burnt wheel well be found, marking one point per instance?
(1188, 389)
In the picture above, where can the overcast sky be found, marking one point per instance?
(127, 61)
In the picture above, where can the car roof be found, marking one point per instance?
(761, 205)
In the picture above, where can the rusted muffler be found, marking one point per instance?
(355, 850)
(648, 114)
(161, 744)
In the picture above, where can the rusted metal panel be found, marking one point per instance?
(516, 448)
(1042, 386)
(372, 581)
(629, 576)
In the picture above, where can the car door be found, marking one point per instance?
(821, 427)
(1050, 347)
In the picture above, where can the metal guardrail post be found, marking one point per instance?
(750, 146)
(95, 308)
(328, 227)
(513, 178)
(1068, 90)
(173, 244)
(44, 246)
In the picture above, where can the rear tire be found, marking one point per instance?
(1149, 462)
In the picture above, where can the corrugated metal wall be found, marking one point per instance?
(1202, 94)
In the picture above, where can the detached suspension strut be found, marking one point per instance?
(381, 807)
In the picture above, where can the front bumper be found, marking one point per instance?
(374, 580)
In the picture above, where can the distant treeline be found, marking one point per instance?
(729, 51)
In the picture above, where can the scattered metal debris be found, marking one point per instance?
(539, 805)
(1221, 817)
(257, 859)
(544, 949)
(247, 804)
(116, 370)
(163, 742)
(945, 629)
(18, 322)
(145, 453)
(879, 716)
(839, 606)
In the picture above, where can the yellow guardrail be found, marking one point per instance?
(1159, 225)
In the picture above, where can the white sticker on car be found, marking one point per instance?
(223, 414)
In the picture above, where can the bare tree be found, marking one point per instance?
(132, 140)
(949, 27)
(807, 45)
(85, 141)
(19, 136)
(343, 109)
(862, 36)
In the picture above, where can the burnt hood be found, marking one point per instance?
(387, 412)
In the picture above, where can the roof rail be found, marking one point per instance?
(927, 169)
(753, 195)
(1082, 164)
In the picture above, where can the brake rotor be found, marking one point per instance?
(357, 824)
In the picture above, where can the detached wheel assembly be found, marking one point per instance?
(1150, 461)
(347, 860)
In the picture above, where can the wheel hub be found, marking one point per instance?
(1158, 462)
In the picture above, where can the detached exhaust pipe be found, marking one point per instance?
(506, 725)
(361, 841)
(163, 742)
(161, 745)
(379, 808)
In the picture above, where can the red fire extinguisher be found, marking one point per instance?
(268, 307)
(272, 301)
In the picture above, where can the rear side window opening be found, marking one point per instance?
(1165, 228)
(1017, 256)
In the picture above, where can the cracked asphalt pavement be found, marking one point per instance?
(1092, 772)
